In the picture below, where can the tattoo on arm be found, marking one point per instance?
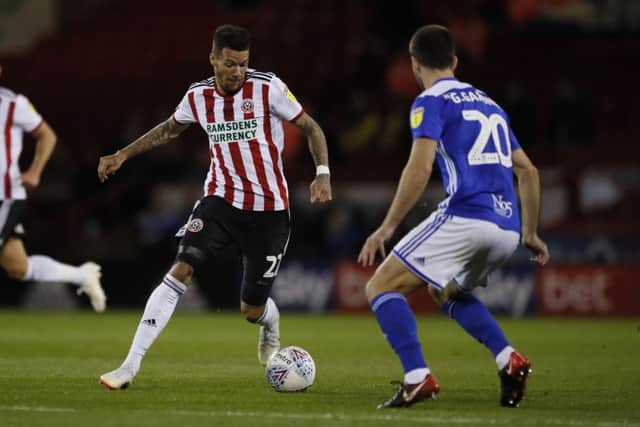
(159, 135)
(316, 138)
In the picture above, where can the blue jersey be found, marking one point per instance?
(474, 149)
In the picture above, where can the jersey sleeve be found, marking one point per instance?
(184, 112)
(426, 118)
(282, 101)
(514, 141)
(25, 115)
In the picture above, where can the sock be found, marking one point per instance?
(416, 376)
(399, 327)
(503, 357)
(271, 315)
(41, 268)
(475, 318)
(158, 311)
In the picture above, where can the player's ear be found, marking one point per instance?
(454, 63)
(415, 65)
(212, 58)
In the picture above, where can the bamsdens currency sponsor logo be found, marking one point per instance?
(239, 130)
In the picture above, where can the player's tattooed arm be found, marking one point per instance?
(161, 134)
(320, 187)
(316, 138)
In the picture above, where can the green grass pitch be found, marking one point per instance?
(203, 370)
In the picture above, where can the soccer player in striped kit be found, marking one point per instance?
(245, 200)
(474, 230)
(17, 116)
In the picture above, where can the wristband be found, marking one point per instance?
(322, 170)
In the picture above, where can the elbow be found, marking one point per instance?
(419, 175)
(529, 173)
(50, 138)
(533, 173)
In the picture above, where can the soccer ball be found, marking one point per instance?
(291, 369)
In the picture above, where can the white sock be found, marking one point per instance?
(42, 268)
(158, 311)
(503, 357)
(271, 315)
(416, 375)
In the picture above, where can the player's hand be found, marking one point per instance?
(30, 179)
(373, 245)
(109, 165)
(538, 249)
(320, 189)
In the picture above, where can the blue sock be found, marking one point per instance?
(399, 327)
(475, 318)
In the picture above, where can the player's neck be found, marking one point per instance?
(430, 77)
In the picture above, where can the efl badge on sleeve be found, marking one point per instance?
(290, 95)
(416, 117)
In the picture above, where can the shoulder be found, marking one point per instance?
(260, 76)
(7, 93)
(428, 101)
(206, 83)
(442, 87)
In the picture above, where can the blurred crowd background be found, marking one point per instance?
(102, 72)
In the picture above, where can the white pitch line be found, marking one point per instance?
(337, 417)
(35, 409)
(409, 419)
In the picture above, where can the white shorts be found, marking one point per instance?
(444, 247)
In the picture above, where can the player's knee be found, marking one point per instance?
(182, 271)
(375, 287)
(251, 312)
(190, 255)
(437, 295)
(17, 270)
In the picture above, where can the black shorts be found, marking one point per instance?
(262, 237)
(11, 212)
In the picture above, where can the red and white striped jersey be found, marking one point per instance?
(17, 115)
(246, 139)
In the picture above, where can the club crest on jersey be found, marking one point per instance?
(195, 225)
(416, 117)
(247, 106)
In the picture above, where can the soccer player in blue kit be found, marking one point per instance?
(472, 232)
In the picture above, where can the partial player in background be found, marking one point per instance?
(245, 199)
(17, 115)
(473, 231)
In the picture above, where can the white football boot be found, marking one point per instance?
(91, 286)
(118, 379)
(268, 342)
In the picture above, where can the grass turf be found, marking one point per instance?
(203, 370)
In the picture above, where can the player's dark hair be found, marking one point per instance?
(433, 47)
(232, 37)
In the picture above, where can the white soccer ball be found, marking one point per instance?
(291, 369)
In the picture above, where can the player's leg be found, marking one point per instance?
(386, 291)
(39, 268)
(263, 243)
(157, 313)
(477, 321)
(492, 247)
(474, 317)
(198, 237)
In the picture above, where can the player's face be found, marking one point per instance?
(230, 68)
